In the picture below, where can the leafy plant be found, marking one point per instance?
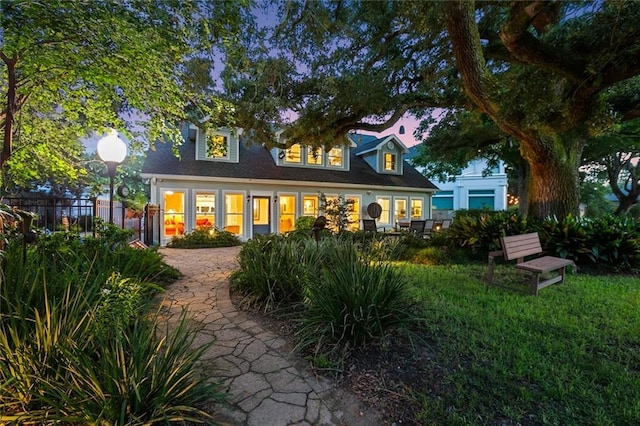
(355, 303)
(275, 269)
(204, 237)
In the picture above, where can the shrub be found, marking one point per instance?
(73, 353)
(355, 303)
(274, 269)
(479, 231)
(204, 237)
(609, 243)
(305, 223)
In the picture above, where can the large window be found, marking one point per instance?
(287, 213)
(481, 199)
(400, 211)
(385, 215)
(314, 156)
(310, 205)
(173, 213)
(233, 213)
(217, 146)
(442, 200)
(389, 162)
(293, 154)
(416, 208)
(205, 210)
(334, 157)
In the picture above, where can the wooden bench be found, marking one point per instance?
(520, 246)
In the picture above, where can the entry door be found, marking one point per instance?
(261, 215)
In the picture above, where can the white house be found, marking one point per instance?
(223, 180)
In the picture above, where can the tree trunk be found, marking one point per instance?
(553, 179)
(553, 155)
(625, 204)
(11, 107)
(523, 187)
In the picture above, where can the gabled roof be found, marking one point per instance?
(256, 163)
(368, 144)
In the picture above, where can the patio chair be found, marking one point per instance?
(446, 223)
(428, 227)
(369, 225)
(417, 227)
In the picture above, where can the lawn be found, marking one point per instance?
(569, 356)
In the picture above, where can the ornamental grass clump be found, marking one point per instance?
(274, 270)
(77, 343)
(354, 303)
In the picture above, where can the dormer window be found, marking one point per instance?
(314, 156)
(293, 154)
(334, 157)
(217, 146)
(389, 162)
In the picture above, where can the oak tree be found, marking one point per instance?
(540, 70)
(73, 67)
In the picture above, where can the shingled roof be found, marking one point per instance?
(256, 162)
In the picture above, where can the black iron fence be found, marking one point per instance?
(78, 215)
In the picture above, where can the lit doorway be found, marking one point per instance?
(261, 215)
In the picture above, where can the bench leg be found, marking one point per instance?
(535, 281)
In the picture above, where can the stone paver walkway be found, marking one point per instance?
(267, 385)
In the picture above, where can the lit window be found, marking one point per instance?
(293, 154)
(205, 210)
(287, 213)
(389, 161)
(314, 156)
(310, 205)
(217, 146)
(385, 215)
(233, 213)
(400, 209)
(416, 208)
(173, 213)
(335, 157)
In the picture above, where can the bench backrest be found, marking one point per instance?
(519, 246)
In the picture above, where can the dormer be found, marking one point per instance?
(336, 158)
(384, 155)
(220, 145)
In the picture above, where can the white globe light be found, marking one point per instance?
(112, 149)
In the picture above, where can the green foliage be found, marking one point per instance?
(77, 345)
(605, 244)
(204, 237)
(347, 300)
(366, 64)
(305, 223)
(118, 304)
(593, 195)
(610, 243)
(275, 269)
(354, 303)
(81, 68)
(336, 210)
(480, 230)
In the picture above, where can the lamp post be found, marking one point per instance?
(112, 150)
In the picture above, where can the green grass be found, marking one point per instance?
(569, 356)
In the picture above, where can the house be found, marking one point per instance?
(223, 180)
(473, 188)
